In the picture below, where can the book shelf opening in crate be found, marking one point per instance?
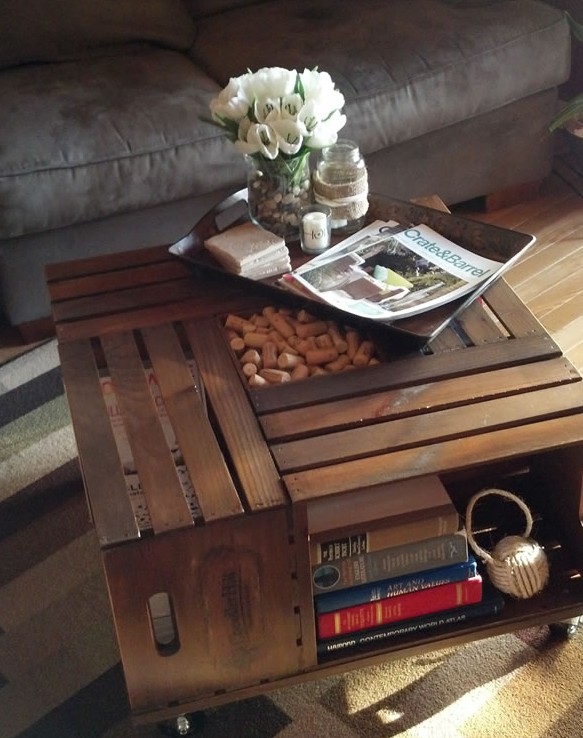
(554, 503)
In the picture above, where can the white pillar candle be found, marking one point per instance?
(315, 231)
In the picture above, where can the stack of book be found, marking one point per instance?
(389, 561)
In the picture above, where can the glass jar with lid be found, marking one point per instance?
(340, 181)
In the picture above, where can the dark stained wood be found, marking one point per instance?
(111, 510)
(437, 458)
(95, 265)
(423, 397)
(154, 463)
(429, 428)
(208, 471)
(249, 454)
(491, 400)
(233, 595)
(109, 281)
(412, 370)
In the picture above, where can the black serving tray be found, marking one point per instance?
(501, 244)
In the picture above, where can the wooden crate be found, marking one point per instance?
(491, 401)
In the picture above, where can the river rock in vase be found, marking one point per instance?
(276, 191)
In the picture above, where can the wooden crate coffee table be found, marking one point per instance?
(502, 407)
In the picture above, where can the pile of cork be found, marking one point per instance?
(280, 345)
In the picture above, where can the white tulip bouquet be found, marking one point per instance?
(276, 117)
(280, 112)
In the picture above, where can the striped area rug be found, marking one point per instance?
(60, 675)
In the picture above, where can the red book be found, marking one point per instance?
(402, 607)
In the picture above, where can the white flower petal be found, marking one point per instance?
(289, 135)
(264, 138)
(326, 132)
(269, 82)
(265, 107)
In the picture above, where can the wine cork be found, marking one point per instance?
(255, 340)
(321, 356)
(301, 371)
(237, 344)
(338, 365)
(281, 324)
(251, 356)
(256, 381)
(269, 355)
(249, 369)
(238, 324)
(363, 354)
(304, 330)
(288, 361)
(275, 376)
(352, 343)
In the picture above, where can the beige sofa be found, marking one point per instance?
(103, 145)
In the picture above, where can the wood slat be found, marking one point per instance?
(249, 454)
(446, 340)
(479, 326)
(102, 471)
(414, 369)
(120, 279)
(449, 455)
(105, 263)
(154, 463)
(211, 480)
(124, 300)
(511, 311)
(421, 430)
(420, 398)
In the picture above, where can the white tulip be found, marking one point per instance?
(326, 132)
(289, 135)
(268, 83)
(319, 88)
(266, 115)
(229, 103)
(266, 108)
(291, 105)
(260, 139)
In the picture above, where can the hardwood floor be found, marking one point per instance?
(549, 279)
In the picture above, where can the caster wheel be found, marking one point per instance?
(565, 628)
(190, 723)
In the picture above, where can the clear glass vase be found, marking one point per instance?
(276, 191)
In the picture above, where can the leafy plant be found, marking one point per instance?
(574, 108)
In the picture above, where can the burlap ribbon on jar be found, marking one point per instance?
(348, 200)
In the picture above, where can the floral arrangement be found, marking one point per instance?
(280, 112)
(276, 117)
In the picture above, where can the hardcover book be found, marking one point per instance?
(390, 562)
(378, 518)
(402, 607)
(375, 591)
(491, 604)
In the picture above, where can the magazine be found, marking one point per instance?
(389, 271)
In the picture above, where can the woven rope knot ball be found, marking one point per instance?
(518, 565)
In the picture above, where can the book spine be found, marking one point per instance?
(342, 547)
(403, 607)
(409, 558)
(488, 606)
(374, 591)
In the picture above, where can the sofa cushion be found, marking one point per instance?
(37, 30)
(102, 136)
(406, 67)
(200, 8)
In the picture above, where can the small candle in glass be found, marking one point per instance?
(315, 228)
